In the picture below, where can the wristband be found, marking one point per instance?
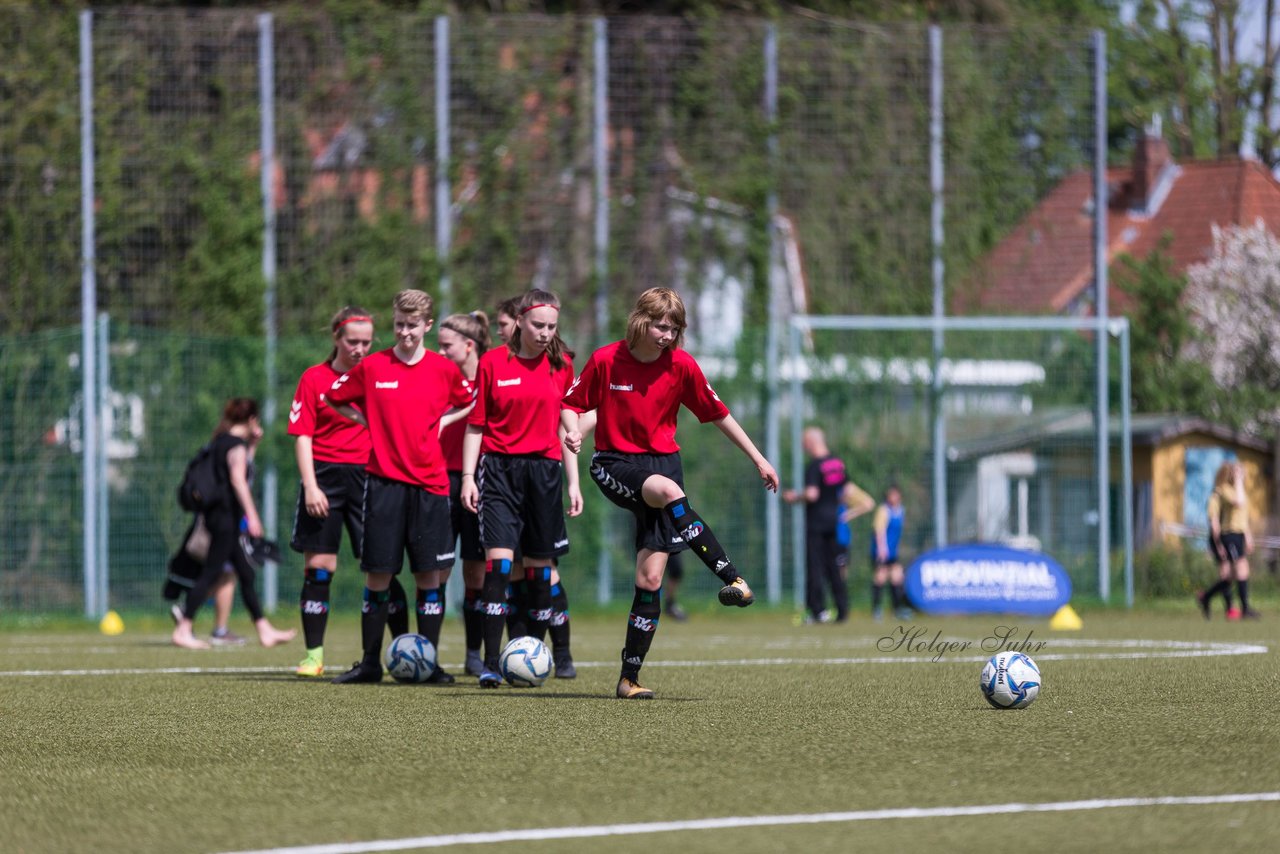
(468, 474)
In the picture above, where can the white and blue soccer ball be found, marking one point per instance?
(410, 658)
(1010, 680)
(525, 662)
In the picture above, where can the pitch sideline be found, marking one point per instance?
(542, 834)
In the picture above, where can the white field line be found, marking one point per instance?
(728, 822)
(1139, 649)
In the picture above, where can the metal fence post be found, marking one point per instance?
(88, 317)
(937, 208)
(104, 437)
(600, 160)
(444, 209)
(773, 444)
(270, 480)
(1100, 307)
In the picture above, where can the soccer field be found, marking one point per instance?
(1154, 731)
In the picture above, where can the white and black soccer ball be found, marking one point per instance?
(525, 662)
(410, 658)
(1010, 680)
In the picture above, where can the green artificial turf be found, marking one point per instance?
(755, 716)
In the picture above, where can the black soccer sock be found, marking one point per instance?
(430, 615)
(702, 542)
(315, 605)
(517, 607)
(1223, 586)
(537, 588)
(1242, 587)
(494, 598)
(473, 618)
(646, 607)
(559, 627)
(397, 609)
(373, 622)
(897, 596)
(877, 591)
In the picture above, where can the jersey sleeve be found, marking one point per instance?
(461, 390)
(348, 388)
(484, 382)
(698, 396)
(583, 394)
(564, 381)
(302, 412)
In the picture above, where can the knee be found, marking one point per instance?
(659, 491)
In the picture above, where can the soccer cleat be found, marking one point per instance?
(1203, 602)
(440, 676)
(489, 679)
(474, 665)
(360, 672)
(1233, 613)
(225, 637)
(312, 665)
(737, 593)
(1250, 614)
(564, 667)
(629, 689)
(675, 612)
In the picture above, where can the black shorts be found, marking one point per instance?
(621, 478)
(343, 484)
(401, 519)
(522, 504)
(1232, 546)
(466, 525)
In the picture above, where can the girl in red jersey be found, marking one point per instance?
(402, 393)
(331, 453)
(464, 338)
(516, 487)
(636, 387)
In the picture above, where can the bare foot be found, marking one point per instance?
(185, 638)
(269, 635)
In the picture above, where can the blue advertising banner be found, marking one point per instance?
(987, 578)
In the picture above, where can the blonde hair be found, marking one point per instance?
(652, 306)
(474, 326)
(412, 302)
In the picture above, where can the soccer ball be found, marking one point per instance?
(1010, 680)
(525, 662)
(411, 658)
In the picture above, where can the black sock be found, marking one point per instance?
(517, 607)
(702, 542)
(315, 605)
(898, 596)
(1222, 586)
(1242, 587)
(397, 609)
(877, 590)
(373, 622)
(494, 598)
(473, 619)
(646, 607)
(537, 588)
(430, 615)
(559, 627)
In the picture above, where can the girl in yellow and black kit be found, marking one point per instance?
(1230, 540)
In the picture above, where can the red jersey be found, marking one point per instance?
(403, 404)
(518, 403)
(334, 439)
(451, 442)
(637, 402)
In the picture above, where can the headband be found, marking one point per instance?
(528, 309)
(355, 318)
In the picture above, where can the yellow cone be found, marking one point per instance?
(1066, 620)
(111, 624)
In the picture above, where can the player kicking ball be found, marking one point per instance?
(637, 386)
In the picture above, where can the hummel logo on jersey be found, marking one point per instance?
(339, 381)
(295, 410)
(627, 387)
(392, 384)
(713, 392)
(505, 383)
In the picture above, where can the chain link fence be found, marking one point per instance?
(473, 158)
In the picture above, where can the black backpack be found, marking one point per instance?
(201, 486)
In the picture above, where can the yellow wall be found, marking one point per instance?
(1168, 475)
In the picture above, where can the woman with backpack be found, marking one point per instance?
(231, 501)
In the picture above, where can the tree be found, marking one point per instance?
(1164, 378)
(1235, 300)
